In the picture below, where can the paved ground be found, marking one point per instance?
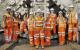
(65, 47)
(70, 46)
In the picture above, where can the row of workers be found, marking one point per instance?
(39, 27)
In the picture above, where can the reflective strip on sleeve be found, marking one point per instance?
(39, 21)
(61, 32)
(30, 37)
(70, 30)
(48, 27)
(48, 37)
(42, 36)
(47, 23)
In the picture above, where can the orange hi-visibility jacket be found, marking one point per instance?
(31, 23)
(39, 21)
(16, 27)
(9, 21)
(48, 23)
(61, 22)
(23, 26)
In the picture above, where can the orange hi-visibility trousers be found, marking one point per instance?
(70, 32)
(9, 24)
(31, 36)
(47, 33)
(61, 33)
(47, 38)
(75, 32)
(16, 31)
(39, 36)
(6, 34)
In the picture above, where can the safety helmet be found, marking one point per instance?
(58, 3)
(52, 9)
(62, 7)
(60, 12)
(31, 12)
(39, 10)
(8, 7)
(55, 0)
(71, 6)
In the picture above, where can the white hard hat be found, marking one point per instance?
(58, 3)
(8, 7)
(60, 11)
(52, 9)
(54, 0)
(71, 6)
(16, 13)
(39, 10)
(61, 6)
(31, 12)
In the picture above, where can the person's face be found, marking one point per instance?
(71, 9)
(38, 14)
(60, 14)
(9, 10)
(16, 15)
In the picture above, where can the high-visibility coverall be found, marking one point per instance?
(61, 21)
(23, 26)
(8, 30)
(48, 30)
(54, 24)
(39, 34)
(16, 30)
(73, 27)
(31, 30)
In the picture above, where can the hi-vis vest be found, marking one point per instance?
(61, 22)
(39, 21)
(16, 24)
(72, 18)
(9, 21)
(30, 22)
(22, 26)
(48, 23)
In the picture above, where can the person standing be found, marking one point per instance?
(73, 24)
(61, 21)
(39, 30)
(16, 27)
(31, 29)
(8, 25)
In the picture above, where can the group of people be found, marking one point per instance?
(40, 28)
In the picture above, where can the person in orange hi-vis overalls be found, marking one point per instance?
(15, 27)
(31, 29)
(47, 31)
(23, 28)
(73, 24)
(8, 25)
(53, 22)
(5, 28)
(61, 21)
(48, 27)
(39, 34)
